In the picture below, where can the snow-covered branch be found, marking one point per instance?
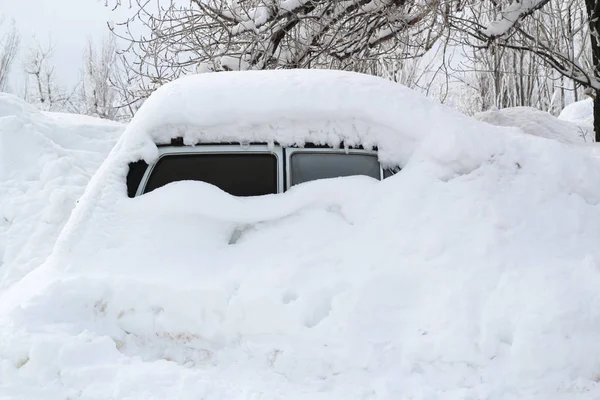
(212, 35)
(511, 15)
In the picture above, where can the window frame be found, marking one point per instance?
(290, 151)
(166, 151)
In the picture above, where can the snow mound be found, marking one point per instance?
(46, 161)
(473, 273)
(289, 107)
(538, 123)
(78, 119)
(579, 112)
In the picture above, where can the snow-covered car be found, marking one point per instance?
(472, 273)
(269, 155)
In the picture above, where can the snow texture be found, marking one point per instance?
(539, 123)
(474, 273)
(580, 112)
(46, 160)
(289, 107)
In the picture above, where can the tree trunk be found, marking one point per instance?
(593, 10)
(597, 115)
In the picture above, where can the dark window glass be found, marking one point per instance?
(134, 176)
(390, 172)
(247, 174)
(312, 166)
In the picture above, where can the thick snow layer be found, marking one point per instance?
(579, 112)
(46, 161)
(539, 123)
(83, 120)
(290, 107)
(474, 273)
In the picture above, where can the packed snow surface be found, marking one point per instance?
(580, 112)
(539, 123)
(474, 273)
(46, 160)
(289, 107)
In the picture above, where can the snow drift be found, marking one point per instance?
(472, 274)
(539, 123)
(46, 160)
(580, 112)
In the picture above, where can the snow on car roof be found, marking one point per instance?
(291, 107)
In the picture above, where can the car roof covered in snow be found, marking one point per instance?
(290, 107)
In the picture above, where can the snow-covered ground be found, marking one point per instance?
(46, 160)
(539, 123)
(579, 112)
(474, 273)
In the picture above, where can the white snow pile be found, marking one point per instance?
(46, 160)
(474, 273)
(539, 123)
(580, 112)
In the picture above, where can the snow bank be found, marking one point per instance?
(473, 273)
(579, 112)
(46, 161)
(538, 123)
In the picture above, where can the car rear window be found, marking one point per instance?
(306, 166)
(245, 174)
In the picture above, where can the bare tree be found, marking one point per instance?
(502, 77)
(103, 89)
(9, 47)
(522, 52)
(523, 26)
(41, 86)
(216, 35)
(110, 89)
(130, 88)
(98, 95)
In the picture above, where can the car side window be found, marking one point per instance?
(310, 166)
(135, 175)
(239, 174)
(387, 172)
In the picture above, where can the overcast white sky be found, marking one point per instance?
(68, 22)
